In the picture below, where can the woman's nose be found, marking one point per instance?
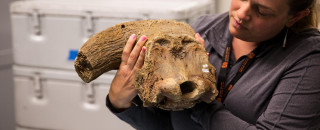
(244, 12)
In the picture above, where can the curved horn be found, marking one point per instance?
(102, 52)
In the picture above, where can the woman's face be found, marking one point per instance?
(257, 20)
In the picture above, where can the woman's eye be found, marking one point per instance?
(262, 13)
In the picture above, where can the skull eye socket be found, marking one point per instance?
(162, 41)
(186, 41)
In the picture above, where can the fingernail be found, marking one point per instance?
(198, 35)
(133, 36)
(143, 38)
(143, 49)
(208, 54)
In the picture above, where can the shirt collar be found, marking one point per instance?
(275, 42)
(219, 35)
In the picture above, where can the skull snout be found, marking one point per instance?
(187, 87)
(170, 89)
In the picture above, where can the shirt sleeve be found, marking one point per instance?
(143, 118)
(295, 103)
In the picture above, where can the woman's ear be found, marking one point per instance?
(296, 17)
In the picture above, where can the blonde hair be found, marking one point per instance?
(309, 21)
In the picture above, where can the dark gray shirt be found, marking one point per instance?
(280, 90)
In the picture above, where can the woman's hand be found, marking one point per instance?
(122, 91)
(200, 39)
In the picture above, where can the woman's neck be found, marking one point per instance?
(241, 48)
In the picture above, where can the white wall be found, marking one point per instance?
(223, 5)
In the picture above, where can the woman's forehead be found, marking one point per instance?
(275, 5)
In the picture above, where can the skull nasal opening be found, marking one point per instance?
(187, 87)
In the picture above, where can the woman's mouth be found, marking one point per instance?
(238, 25)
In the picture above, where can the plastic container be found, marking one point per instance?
(58, 99)
(48, 33)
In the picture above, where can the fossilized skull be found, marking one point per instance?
(176, 73)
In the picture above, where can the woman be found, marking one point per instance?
(269, 79)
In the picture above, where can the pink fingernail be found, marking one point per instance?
(143, 38)
(208, 54)
(143, 49)
(198, 35)
(133, 36)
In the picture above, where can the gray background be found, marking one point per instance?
(7, 121)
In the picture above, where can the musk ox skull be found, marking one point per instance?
(176, 73)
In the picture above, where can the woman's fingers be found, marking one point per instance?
(132, 60)
(200, 39)
(127, 49)
(140, 61)
(122, 90)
